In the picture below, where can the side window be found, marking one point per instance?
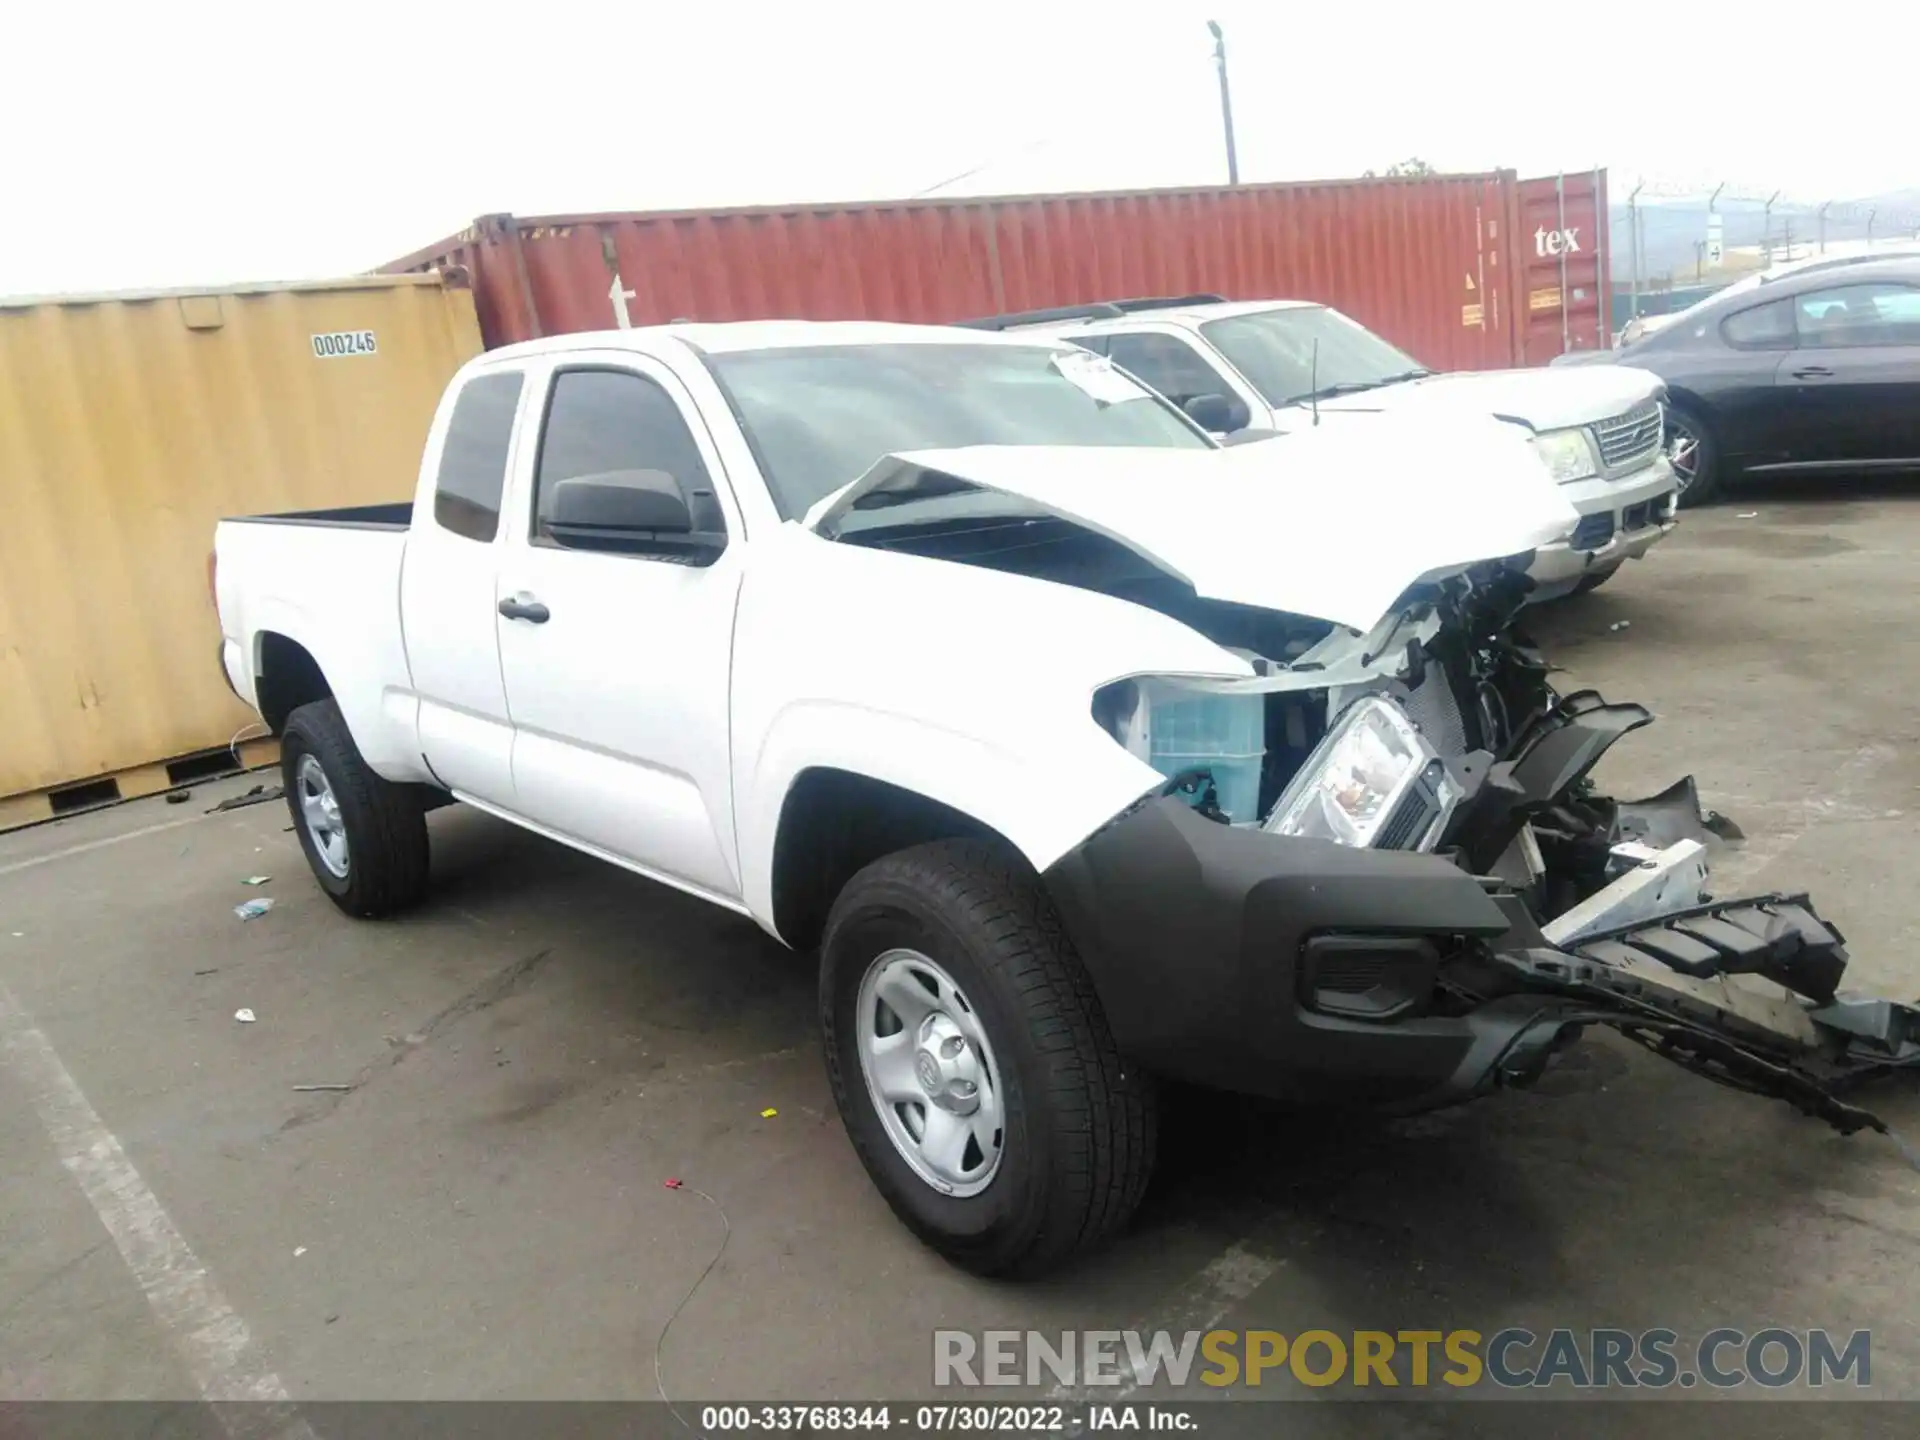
(1878, 313)
(1763, 327)
(473, 463)
(1171, 366)
(605, 422)
(1096, 343)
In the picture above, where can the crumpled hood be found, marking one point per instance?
(1546, 399)
(1332, 523)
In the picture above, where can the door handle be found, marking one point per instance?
(517, 607)
(1813, 372)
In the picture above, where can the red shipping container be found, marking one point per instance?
(1435, 263)
(1560, 234)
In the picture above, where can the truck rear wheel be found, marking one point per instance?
(364, 837)
(972, 1064)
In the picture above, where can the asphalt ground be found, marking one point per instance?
(483, 1214)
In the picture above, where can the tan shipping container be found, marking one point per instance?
(129, 425)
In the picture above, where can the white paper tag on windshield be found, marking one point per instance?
(1095, 375)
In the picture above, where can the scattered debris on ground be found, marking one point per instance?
(258, 795)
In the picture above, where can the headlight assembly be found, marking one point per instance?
(1567, 454)
(1179, 728)
(1373, 783)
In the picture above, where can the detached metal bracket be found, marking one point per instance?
(1663, 882)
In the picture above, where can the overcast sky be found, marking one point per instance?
(196, 141)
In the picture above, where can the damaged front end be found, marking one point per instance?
(1429, 898)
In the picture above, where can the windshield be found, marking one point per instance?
(1275, 350)
(819, 417)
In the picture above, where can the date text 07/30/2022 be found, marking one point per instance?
(944, 1418)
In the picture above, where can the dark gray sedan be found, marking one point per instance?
(1815, 371)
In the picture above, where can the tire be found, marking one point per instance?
(1078, 1127)
(381, 866)
(1700, 483)
(1594, 579)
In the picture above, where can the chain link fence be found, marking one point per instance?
(1675, 241)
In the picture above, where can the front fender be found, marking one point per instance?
(969, 686)
(1043, 798)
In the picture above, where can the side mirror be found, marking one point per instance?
(641, 511)
(1218, 414)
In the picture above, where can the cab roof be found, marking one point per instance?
(739, 335)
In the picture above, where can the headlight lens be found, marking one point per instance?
(1373, 783)
(1568, 454)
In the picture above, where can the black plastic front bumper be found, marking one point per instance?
(1200, 939)
(1315, 973)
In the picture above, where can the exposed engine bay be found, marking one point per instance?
(1440, 735)
(1472, 754)
(1441, 732)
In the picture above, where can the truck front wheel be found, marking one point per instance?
(364, 837)
(972, 1064)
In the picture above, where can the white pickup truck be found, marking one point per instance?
(1088, 754)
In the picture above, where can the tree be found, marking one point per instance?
(1414, 166)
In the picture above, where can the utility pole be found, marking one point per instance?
(1640, 242)
(1766, 229)
(1716, 243)
(1226, 100)
(1823, 225)
(1633, 248)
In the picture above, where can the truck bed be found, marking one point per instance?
(396, 515)
(329, 579)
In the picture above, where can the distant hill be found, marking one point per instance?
(1907, 200)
